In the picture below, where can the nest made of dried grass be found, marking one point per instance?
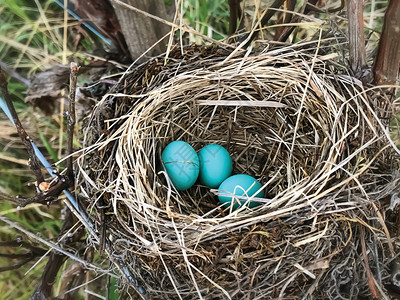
(292, 117)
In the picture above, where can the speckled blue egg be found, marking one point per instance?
(181, 163)
(215, 165)
(239, 185)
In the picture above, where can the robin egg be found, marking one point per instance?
(215, 165)
(181, 164)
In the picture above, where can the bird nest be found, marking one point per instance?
(290, 116)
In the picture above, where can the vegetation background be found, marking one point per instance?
(37, 34)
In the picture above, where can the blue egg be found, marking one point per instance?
(215, 165)
(181, 163)
(239, 185)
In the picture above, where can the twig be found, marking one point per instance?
(9, 198)
(44, 197)
(286, 17)
(287, 31)
(33, 161)
(357, 52)
(26, 257)
(47, 193)
(387, 61)
(16, 265)
(371, 282)
(71, 120)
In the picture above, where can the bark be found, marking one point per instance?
(141, 31)
(356, 37)
(387, 63)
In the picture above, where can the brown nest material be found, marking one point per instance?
(292, 117)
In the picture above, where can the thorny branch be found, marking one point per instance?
(49, 193)
(44, 197)
(33, 160)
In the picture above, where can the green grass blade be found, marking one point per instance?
(16, 9)
(48, 147)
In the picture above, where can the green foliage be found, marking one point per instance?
(16, 285)
(48, 146)
(13, 178)
(209, 17)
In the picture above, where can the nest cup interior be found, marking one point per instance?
(286, 116)
(274, 127)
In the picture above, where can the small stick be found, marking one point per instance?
(71, 119)
(33, 161)
(286, 17)
(44, 197)
(52, 194)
